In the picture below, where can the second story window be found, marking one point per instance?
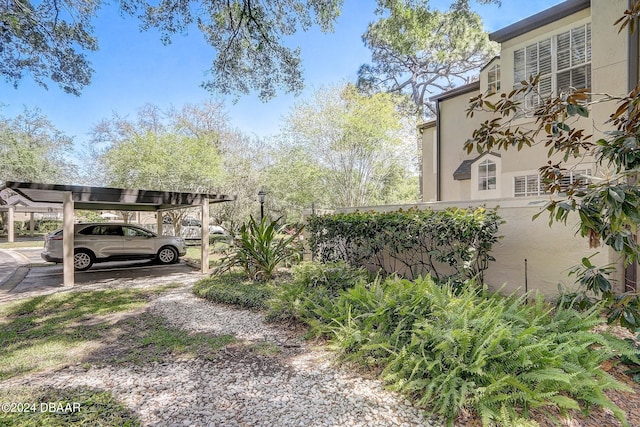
(493, 79)
(562, 61)
(487, 175)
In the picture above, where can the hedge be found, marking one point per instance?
(454, 243)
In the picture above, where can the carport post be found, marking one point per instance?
(32, 224)
(204, 247)
(159, 222)
(10, 226)
(67, 239)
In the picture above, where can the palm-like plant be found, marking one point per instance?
(261, 248)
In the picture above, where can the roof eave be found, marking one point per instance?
(538, 20)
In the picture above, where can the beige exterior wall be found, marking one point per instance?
(609, 65)
(428, 138)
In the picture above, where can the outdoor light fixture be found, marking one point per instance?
(262, 194)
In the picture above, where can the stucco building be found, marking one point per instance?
(572, 44)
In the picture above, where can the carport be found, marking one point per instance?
(124, 199)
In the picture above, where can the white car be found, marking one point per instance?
(99, 242)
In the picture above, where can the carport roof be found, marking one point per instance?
(105, 198)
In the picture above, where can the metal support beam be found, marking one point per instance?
(204, 247)
(67, 239)
(11, 226)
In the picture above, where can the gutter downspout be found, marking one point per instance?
(633, 73)
(437, 154)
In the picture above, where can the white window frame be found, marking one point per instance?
(529, 60)
(570, 177)
(485, 175)
(493, 78)
(529, 181)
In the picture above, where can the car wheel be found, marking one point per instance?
(167, 255)
(83, 260)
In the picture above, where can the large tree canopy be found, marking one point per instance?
(50, 39)
(419, 51)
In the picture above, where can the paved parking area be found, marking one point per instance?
(24, 273)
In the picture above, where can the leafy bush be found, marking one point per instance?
(260, 249)
(450, 243)
(454, 349)
(313, 284)
(234, 288)
(48, 226)
(594, 285)
(333, 276)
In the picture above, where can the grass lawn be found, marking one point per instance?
(50, 332)
(22, 244)
(193, 255)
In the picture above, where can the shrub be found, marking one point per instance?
(333, 276)
(455, 349)
(260, 249)
(234, 288)
(313, 285)
(48, 226)
(450, 243)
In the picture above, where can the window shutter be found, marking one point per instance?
(532, 60)
(518, 66)
(544, 57)
(519, 186)
(578, 51)
(564, 49)
(533, 186)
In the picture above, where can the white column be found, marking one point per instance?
(67, 240)
(32, 224)
(10, 226)
(204, 258)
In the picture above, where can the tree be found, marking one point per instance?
(244, 165)
(49, 39)
(46, 40)
(32, 149)
(420, 51)
(170, 151)
(295, 181)
(357, 140)
(608, 206)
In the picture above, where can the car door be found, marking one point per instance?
(138, 242)
(105, 240)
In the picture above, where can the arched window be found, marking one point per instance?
(487, 175)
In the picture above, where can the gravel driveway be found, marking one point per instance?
(299, 386)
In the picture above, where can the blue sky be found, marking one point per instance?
(133, 68)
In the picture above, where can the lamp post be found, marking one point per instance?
(262, 194)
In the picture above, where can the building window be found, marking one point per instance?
(574, 59)
(569, 66)
(493, 79)
(527, 185)
(575, 177)
(532, 185)
(487, 175)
